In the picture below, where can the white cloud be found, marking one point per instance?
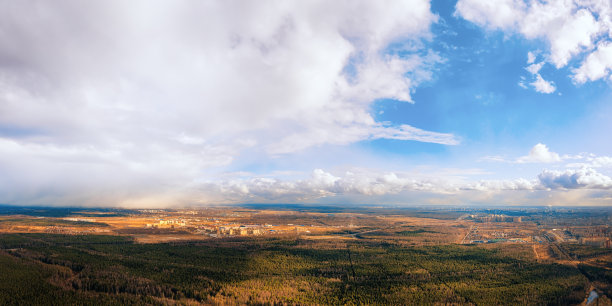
(580, 173)
(543, 86)
(167, 90)
(493, 158)
(322, 184)
(592, 161)
(539, 84)
(568, 30)
(534, 68)
(596, 66)
(572, 29)
(497, 185)
(600, 161)
(522, 84)
(43, 174)
(574, 179)
(322, 135)
(539, 154)
(493, 14)
(531, 57)
(369, 184)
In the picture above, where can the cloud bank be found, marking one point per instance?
(376, 185)
(127, 101)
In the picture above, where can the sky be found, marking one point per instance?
(159, 103)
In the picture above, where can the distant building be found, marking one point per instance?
(243, 230)
(600, 242)
(172, 223)
(498, 218)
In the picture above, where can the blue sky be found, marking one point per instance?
(159, 103)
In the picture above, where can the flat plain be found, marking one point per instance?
(305, 255)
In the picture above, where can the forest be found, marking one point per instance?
(97, 269)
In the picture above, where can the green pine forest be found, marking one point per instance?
(98, 270)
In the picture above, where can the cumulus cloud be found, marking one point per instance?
(324, 184)
(534, 68)
(592, 161)
(543, 86)
(574, 179)
(162, 91)
(540, 153)
(596, 66)
(497, 185)
(573, 29)
(579, 174)
(539, 84)
(496, 15)
(379, 184)
(531, 57)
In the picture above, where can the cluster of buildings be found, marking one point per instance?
(232, 230)
(242, 230)
(497, 218)
(600, 242)
(80, 220)
(597, 236)
(168, 223)
(214, 230)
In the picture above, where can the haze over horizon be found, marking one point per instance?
(175, 103)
